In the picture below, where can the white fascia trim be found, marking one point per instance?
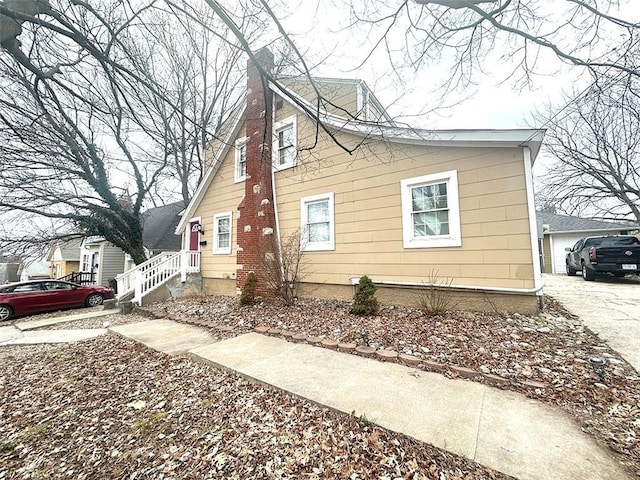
(317, 246)
(587, 232)
(206, 181)
(217, 250)
(533, 225)
(454, 238)
(515, 138)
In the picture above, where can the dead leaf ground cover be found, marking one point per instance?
(552, 347)
(109, 408)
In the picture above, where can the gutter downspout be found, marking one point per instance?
(277, 223)
(275, 205)
(533, 226)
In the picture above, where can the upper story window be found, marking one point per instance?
(317, 222)
(284, 143)
(240, 171)
(430, 211)
(222, 233)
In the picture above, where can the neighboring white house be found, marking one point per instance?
(561, 231)
(101, 259)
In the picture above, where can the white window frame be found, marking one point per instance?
(317, 246)
(237, 176)
(217, 250)
(278, 127)
(86, 260)
(453, 238)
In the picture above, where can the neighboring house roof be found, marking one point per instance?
(159, 225)
(515, 138)
(566, 223)
(69, 250)
(94, 240)
(158, 228)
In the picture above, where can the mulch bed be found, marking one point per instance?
(543, 357)
(65, 415)
(109, 408)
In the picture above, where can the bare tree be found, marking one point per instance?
(524, 35)
(68, 148)
(100, 111)
(199, 73)
(596, 145)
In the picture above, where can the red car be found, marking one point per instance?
(37, 296)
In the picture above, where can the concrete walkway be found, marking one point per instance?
(502, 430)
(609, 306)
(20, 333)
(166, 335)
(45, 322)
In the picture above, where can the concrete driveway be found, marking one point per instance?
(609, 306)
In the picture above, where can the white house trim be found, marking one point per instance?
(208, 177)
(533, 225)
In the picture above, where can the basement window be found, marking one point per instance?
(222, 233)
(284, 143)
(430, 211)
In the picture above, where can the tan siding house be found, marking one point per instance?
(403, 206)
(64, 257)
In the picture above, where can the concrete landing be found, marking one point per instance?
(503, 430)
(166, 335)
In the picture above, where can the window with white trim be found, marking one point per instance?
(240, 170)
(317, 222)
(431, 211)
(85, 262)
(222, 227)
(285, 146)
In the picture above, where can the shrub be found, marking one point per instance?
(284, 272)
(364, 300)
(248, 295)
(436, 296)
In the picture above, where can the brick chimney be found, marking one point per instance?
(256, 222)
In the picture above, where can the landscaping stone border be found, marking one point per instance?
(362, 350)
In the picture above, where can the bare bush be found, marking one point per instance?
(285, 271)
(436, 296)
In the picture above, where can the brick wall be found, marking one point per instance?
(256, 222)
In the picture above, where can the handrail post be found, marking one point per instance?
(184, 264)
(137, 296)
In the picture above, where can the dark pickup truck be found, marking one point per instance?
(614, 254)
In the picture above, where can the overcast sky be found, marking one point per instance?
(319, 29)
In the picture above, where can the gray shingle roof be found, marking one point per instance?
(69, 249)
(159, 225)
(566, 223)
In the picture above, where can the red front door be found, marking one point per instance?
(194, 235)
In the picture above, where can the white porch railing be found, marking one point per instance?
(148, 276)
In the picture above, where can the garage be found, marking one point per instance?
(560, 231)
